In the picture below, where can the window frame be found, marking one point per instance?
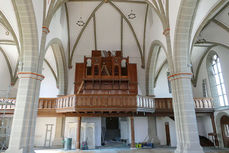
(216, 80)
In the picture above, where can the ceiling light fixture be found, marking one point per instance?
(132, 15)
(80, 22)
(7, 33)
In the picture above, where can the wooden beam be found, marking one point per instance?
(78, 133)
(132, 132)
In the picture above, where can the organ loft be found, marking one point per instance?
(106, 72)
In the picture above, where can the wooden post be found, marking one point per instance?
(132, 132)
(214, 129)
(78, 133)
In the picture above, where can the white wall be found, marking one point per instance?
(98, 128)
(48, 85)
(140, 129)
(71, 128)
(40, 130)
(161, 130)
(4, 73)
(162, 90)
(204, 125)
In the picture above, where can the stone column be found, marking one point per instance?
(132, 132)
(184, 112)
(58, 140)
(23, 127)
(78, 133)
(152, 130)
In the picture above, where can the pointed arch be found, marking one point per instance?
(151, 65)
(62, 75)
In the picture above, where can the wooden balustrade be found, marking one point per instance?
(109, 103)
(10, 103)
(145, 104)
(203, 103)
(47, 103)
(165, 104)
(66, 104)
(106, 103)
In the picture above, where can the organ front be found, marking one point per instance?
(106, 72)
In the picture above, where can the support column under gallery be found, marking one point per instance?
(78, 133)
(132, 132)
(57, 142)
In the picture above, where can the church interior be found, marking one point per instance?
(113, 76)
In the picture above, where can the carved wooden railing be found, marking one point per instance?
(66, 104)
(109, 103)
(165, 104)
(145, 104)
(47, 103)
(106, 103)
(203, 103)
(44, 103)
(7, 104)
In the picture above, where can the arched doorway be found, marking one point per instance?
(225, 130)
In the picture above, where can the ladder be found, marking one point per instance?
(48, 135)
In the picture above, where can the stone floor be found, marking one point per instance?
(155, 150)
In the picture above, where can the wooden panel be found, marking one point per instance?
(132, 73)
(96, 53)
(79, 75)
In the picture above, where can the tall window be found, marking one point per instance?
(217, 73)
(204, 87)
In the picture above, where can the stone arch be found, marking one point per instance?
(206, 19)
(218, 127)
(151, 65)
(58, 51)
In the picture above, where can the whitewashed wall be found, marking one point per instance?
(204, 125)
(161, 130)
(140, 129)
(48, 85)
(4, 73)
(40, 130)
(162, 90)
(71, 128)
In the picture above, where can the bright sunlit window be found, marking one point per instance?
(217, 72)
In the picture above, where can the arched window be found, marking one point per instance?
(217, 72)
(216, 79)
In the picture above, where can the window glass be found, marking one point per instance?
(217, 72)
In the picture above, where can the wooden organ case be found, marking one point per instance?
(106, 73)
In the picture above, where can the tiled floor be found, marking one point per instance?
(156, 150)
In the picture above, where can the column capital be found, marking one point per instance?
(31, 75)
(181, 75)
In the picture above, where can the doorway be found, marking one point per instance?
(167, 132)
(112, 129)
(225, 130)
(111, 132)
